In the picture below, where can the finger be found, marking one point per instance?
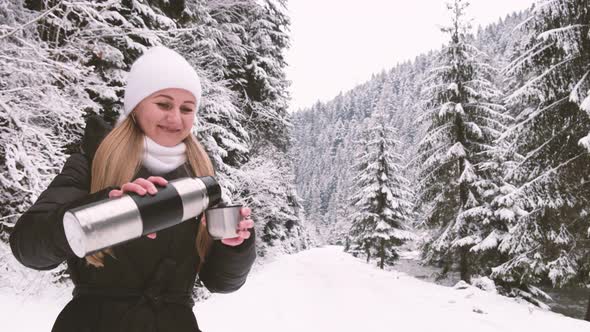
(158, 180)
(245, 211)
(147, 185)
(133, 187)
(234, 241)
(115, 193)
(152, 235)
(244, 234)
(248, 223)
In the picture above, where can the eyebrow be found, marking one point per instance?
(167, 96)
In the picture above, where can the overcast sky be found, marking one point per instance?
(338, 44)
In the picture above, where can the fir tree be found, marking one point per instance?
(549, 243)
(256, 71)
(464, 120)
(382, 200)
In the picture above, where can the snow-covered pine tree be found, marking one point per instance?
(267, 85)
(257, 70)
(382, 201)
(464, 121)
(550, 243)
(357, 244)
(496, 214)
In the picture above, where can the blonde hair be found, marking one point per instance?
(118, 159)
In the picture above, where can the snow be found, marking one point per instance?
(453, 87)
(505, 214)
(459, 109)
(466, 241)
(586, 104)
(18, 310)
(402, 235)
(474, 129)
(468, 175)
(485, 284)
(445, 109)
(456, 151)
(585, 142)
(110, 54)
(490, 242)
(325, 289)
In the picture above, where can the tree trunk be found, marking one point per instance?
(464, 265)
(382, 253)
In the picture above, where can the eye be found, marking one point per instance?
(186, 110)
(164, 106)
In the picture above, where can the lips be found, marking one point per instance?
(169, 130)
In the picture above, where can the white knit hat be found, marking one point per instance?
(157, 69)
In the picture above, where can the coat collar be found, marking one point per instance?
(96, 130)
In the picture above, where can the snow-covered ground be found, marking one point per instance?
(324, 289)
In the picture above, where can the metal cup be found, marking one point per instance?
(223, 220)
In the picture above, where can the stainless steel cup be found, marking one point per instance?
(223, 220)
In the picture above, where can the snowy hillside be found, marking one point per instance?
(325, 289)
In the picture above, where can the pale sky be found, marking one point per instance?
(338, 44)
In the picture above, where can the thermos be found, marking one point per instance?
(102, 224)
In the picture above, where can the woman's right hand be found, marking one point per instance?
(140, 186)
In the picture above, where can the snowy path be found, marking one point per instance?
(325, 289)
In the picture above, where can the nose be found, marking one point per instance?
(174, 117)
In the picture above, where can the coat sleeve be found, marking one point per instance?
(226, 268)
(38, 239)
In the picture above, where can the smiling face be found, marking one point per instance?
(167, 116)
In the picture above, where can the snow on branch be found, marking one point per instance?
(532, 117)
(585, 142)
(524, 90)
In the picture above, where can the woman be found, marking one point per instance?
(145, 284)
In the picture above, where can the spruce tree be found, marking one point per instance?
(381, 203)
(549, 243)
(459, 105)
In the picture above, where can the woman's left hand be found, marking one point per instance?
(243, 226)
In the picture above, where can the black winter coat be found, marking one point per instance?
(148, 285)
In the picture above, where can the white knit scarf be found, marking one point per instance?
(160, 159)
